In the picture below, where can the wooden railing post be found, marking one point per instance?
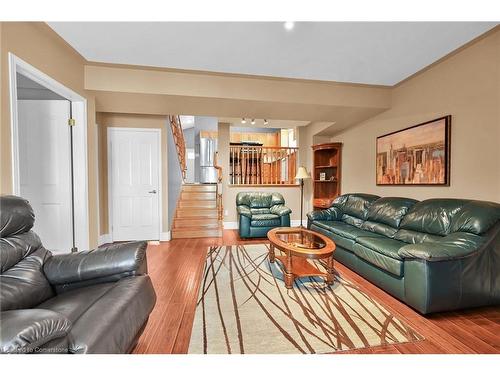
(261, 165)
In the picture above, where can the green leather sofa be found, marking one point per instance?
(258, 213)
(434, 255)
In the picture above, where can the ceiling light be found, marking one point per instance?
(289, 25)
(243, 121)
(253, 121)
(266, 122)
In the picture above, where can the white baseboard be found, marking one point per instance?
(230, 225)
(234, 224)
(104, 238)
(165, 236)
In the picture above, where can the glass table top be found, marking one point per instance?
(302, 239)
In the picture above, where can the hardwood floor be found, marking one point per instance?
(176, 269)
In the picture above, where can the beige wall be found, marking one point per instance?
(107, 120)
(39, 46)
(466, 86)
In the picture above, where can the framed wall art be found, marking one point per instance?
(418, 155)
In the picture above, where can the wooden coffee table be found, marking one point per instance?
(298, 245)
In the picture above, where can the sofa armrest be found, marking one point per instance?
(26, 331)
(280, 210)
(244, 210)
(331, 214)
(454, 246)
(109, 263)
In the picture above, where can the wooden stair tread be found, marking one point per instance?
(196, 232)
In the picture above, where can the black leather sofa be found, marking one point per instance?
(435, 255)
(95, 301)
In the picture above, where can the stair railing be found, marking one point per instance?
(180, 144)
(218, 190)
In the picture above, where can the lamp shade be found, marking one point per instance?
(302, 173)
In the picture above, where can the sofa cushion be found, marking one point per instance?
(259, 199)
(28, 330)
(410, 236)
(388, 264)
(265, 220)
(257, 211)
(352, 220)
(357, 205)
(476, 217)
(389, 211)
(385, 246)
(343, 242)
(24, 285)
(345, 230)
(379, 228)
(16, 216)
(74, 303)
(112, 322)
(433, 216)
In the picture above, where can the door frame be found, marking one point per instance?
(79, 110)
(110, 131)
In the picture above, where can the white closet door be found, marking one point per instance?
(134, 177)
(44, 163)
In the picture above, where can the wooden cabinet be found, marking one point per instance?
(326, 173)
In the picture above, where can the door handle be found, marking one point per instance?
(152, 192)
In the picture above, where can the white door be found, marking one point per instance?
(134, 177)
(44, 169)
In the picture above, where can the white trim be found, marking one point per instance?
(165, 236)
(114, 129)
(234, 224)
(104, 238)
(79, 107)
(230, 225)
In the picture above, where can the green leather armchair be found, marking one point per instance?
(258, 213)
(435, 255)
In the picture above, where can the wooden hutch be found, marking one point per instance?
(326, 173)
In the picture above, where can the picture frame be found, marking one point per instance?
(417, 156)
(322, 176)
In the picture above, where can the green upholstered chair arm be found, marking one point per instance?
(332, 213)
(244, 210)
(454, 246)
(280, 210)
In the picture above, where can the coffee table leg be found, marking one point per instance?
(329, 270)
(271, 253)
(288, 272)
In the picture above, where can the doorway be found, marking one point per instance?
(134, 183)
(49, 157)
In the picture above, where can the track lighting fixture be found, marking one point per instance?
(243, 121)
(253, 121)
(266, 122)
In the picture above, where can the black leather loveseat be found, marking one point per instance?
(94, 301)
(435, 255)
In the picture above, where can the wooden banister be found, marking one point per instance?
(220, 208)
(262, 165)
(180, 144)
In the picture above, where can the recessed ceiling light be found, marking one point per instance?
(253, 121)
(243, 121)
(289, 25)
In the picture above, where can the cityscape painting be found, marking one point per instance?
(418, 155)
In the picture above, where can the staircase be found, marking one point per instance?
(197, 214)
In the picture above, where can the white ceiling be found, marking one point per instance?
(259, 123)
(382, 53)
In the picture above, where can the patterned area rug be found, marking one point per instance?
(244, 307)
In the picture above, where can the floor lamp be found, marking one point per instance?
(302, 175)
